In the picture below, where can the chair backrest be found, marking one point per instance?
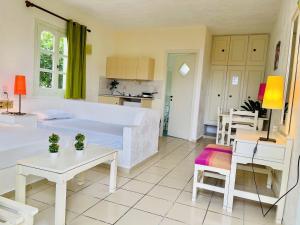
(219, 125)
(241, 120)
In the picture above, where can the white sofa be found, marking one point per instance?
(140, 131)
(140, 125)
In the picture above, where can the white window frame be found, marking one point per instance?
(58, 33)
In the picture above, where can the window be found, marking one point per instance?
(51, 60)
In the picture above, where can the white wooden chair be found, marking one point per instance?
(220, 128)
(241, 120)
(14, 213)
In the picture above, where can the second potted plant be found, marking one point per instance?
(79, 143)
(54, 146)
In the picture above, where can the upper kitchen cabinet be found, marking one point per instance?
(257, 50)
(130, 68)
(238, 50)
(220, 50)
(145, 69)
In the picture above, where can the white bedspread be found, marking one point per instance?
(108, 135)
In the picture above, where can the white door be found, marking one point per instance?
(183, 73)
(235, 76)
(216, 92)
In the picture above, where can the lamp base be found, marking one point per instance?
(267, 139)
(18, 114)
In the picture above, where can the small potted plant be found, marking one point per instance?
(79, 143)
(54, 146)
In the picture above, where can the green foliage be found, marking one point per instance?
(79, 143)
(47, 41)
(113, 85)
(80, 137)
(53, 148)
(54, 139)
(45, 79)
(253, 106)
(79, 146)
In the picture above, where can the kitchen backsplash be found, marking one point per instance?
(132, 87)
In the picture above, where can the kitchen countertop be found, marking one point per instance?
(123, 96)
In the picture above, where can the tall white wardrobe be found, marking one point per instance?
(237, 69)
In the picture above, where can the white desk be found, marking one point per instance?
(274, 155)
(60, 170)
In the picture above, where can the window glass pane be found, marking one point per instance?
(63, 46)
(61, 79)
(45, 79)
(62, 65)
(46, 61)
(47, 40)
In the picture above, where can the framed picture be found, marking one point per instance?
(277, 55)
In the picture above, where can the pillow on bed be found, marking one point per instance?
(53, 114)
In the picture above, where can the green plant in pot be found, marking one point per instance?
(54, 146)
(79, 142)
(253, 106)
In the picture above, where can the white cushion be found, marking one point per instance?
(53, 114)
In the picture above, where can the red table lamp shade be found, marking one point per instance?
(261, 91)
(20, 85)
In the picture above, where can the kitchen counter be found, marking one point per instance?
(133, 101)
(124, 96)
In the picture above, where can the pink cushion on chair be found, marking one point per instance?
(214, 159)
(219, 148)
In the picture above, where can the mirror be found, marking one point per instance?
(290, 75)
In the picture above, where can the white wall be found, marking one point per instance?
(281, 32)
(17, 36)
(156, 43)
(204, 84)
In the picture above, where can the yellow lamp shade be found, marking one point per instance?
(273, 98)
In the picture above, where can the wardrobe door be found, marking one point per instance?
(235, 75)
(216, 92)
(254, 75)
(257, 50)
(238, 50)
(220, 50)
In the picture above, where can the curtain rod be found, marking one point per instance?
(30, 4)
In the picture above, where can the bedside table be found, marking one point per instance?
(27, 120)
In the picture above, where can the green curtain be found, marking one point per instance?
(76, 70)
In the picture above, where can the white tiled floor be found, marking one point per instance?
(158, 193)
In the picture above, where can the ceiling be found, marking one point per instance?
(221, 16)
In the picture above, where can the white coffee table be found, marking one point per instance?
(61, 169)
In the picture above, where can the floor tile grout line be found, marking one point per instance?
(132, 207)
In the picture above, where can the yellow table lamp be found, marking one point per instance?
(273, 99)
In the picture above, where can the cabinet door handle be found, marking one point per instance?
(254, 49)
(223, 50)
(249, 97)
(230, 96)
(219, 95)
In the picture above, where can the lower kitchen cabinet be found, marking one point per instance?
(110, 100)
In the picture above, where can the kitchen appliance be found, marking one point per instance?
(148, 94)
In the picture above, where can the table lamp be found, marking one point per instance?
(273, 99)
(20, 89)
(261, 92)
